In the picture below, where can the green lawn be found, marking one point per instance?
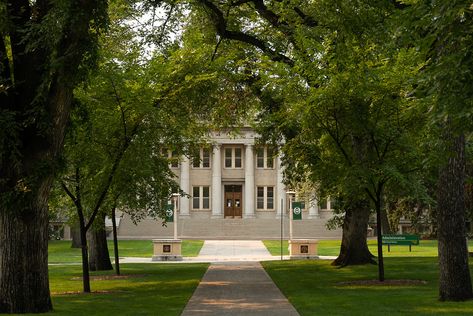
(313, 287)
(426, 248)
(152, 289)
(60, 251)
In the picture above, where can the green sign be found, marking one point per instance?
(400, 239)
(297, 210)
(169, 213)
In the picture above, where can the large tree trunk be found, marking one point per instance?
(37, 82)
(24, 285)
(354, 249)
(99, 258)
(385, 224)
(455, 281)
(115, 241)
(75, 236)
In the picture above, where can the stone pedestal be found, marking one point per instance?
(167, 250)
(303, 249)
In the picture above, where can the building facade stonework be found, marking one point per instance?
(235, 190)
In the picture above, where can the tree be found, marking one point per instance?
(443, 35)
(45, 49)
(330, 57)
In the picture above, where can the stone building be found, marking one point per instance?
(236, 191)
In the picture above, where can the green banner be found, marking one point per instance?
(297, 210)
(169, 213)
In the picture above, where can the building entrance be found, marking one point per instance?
(233, 202)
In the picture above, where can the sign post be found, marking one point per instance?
(291, 218)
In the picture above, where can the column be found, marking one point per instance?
(249, 182)
(280, 189)
(314, 207)
(184, 183)
(216, 182)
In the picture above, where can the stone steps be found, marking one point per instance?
(200, 228)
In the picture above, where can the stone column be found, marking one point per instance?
(184, 183)
(313, 208)
(280, 189)
(249, 182)
(216, 182)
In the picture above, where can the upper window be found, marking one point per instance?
(323, 204)
(264, 158)
(203, 160)
(233, 157)
(172, 157)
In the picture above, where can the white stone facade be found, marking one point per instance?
(233, 179)
(235, 190)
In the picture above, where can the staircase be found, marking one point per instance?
(207, 228)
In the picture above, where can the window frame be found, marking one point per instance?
(266, 198)
(201, 198)
(265, 150)
(233, 158)
(201, 159)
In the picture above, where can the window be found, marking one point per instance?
(265, 198)
(233, 157)
(323, 204)
(228, 157)
(205, 198)
(237, 157)
(201, 198)
(203, 160)
(270, 198)
(205, 157)
(260, 157)
(269, 158)
(264, 158)
(260, 198)
(172, 157)
(196, 197)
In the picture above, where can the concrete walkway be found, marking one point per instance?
(236, 283)
(238, 288)
(234, 250)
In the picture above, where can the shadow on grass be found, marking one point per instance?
(157, 290)
(313, 287)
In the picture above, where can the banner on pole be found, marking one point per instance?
(297, 210)
(169, 213)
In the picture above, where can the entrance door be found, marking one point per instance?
(233, 208)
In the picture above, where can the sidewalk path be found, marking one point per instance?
(234, 250)
(238, 288)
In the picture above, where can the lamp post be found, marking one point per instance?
(174, 200)
(282, 216)
(290, 193)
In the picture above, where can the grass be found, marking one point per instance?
(312, 286)
(154, 289)
(426, 248)
(60, 251)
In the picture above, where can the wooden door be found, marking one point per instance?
(233, 201)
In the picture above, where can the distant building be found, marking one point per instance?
(236, 191)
